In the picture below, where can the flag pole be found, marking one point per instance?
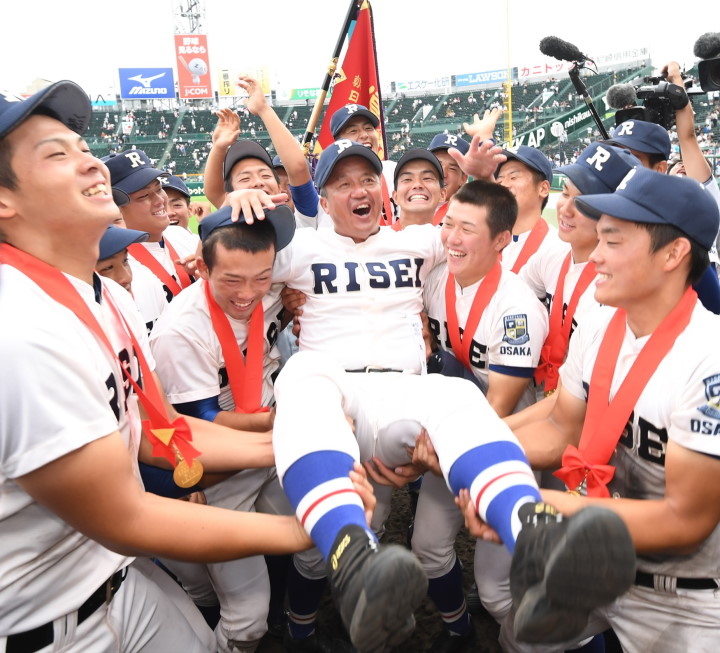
(317, 110)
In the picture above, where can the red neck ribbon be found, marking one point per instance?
(605, 420)
(532, 244)
(245, 374)
(386, 216)
(164, 436)
(488, 287)
(144, 256)
(556, 344)
(440, 214)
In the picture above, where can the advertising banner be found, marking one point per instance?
(193, 65)
(146, 83)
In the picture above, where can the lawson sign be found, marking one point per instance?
(143, 83)
(478, 79)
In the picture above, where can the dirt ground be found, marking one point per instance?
(429, 624)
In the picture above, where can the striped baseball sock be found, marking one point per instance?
(304, 595)
(446, 591)
(321, 492)
(500, 481)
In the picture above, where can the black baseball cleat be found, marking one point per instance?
(376, 589)
(563, 568)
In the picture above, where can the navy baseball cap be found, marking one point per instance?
(414, 154)
(650, 197)
(339, 150)
(641, 136)
(240, 150)
(64, 100)
(281, 218)
(341, 117)
(600, 168)
(116, 239)
(276, 162)
(532, 158)
(173, 181)
(446, 141)
(130, 171)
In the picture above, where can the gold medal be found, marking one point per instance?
(188, 475)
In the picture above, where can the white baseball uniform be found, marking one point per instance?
(508, 340)
(191, 367)
(679, 403)
(63, 390)
(512, 251)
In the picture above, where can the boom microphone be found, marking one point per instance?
(620, 96)
(707, 46)
(552, 46)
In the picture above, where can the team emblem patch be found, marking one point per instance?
(516, 332)
(712, 393)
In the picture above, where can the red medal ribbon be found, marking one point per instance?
(161, 433)
(183, 276)
(440, 214)
(556, 343)
(605, 420)
(532, 244)
(386, 217)
(396, 226)
(245, 374)
(488, 287)
(144, 256)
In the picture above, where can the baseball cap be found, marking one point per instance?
(276, 162)
(240, 150)
(600, 168)
(419, 153)
(173, 181)
(642, 136)
(532, 158)
(64, 100)
(339, 150)
(116, 239)
(341, 117)
(130, 171)
(281, 218)
(446, 141)
(650, 197)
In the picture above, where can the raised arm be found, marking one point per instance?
(285, 144)
(694, 161)
(225, 134)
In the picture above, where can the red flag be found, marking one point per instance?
(356, 81)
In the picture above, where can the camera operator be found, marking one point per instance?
(650, 143)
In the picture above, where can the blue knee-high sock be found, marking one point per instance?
(304, 595)
(500, 481)
(321, 492)
(447, 593)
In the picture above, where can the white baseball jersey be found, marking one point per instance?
(147, 288)
(542, 272)
(679, 403)
(184, 241)
(187, 351)
(363, 299)
(61, 390)
(550, 242)
(511, 332)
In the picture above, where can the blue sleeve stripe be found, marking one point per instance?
(206, 409)
(523, 372)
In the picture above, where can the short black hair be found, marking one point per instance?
(501, 204)
(664, 234)
(257, 237)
